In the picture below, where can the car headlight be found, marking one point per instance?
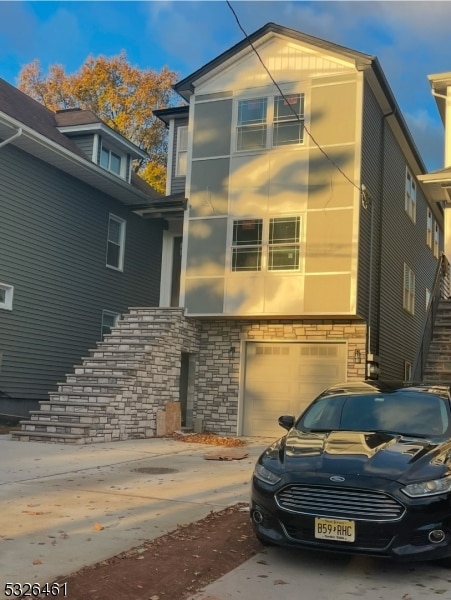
(264, 474)
(428, 488)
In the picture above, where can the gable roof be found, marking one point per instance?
(363, 62)
(33, 128)
(185, 87)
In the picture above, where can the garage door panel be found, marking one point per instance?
(283, 378)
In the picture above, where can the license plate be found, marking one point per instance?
(335, 529)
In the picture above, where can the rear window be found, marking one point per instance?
(400, 412)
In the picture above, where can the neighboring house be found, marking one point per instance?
(310, 245)
(75, 250)
(438, 183)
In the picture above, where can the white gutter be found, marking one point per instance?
(12, 138)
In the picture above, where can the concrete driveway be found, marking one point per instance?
(64, 507)
(284, 574)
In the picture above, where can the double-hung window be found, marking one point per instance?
(247, 245)
(409, 290)
(182, 151)
(411, 196)
(272, 245)
(116, 243)
(288, 120)
(111, 161)
(436, 240)
(269, 122)
(429, 228)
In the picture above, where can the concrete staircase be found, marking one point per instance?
(438, 364)
(116, 392)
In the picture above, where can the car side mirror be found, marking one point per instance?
(286, 421)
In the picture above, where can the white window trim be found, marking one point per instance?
(407, 371)
(270, 97)
(411, 196)
(183, 129)
(408, 287)
(122, 156)
(436, 240)
(108, 313)
(121, 244)
(7, 303)
(266, 246)
(429, 228)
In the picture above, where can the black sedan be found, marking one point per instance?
(366, 469)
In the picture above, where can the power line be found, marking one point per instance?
(289, 104)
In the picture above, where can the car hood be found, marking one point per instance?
(379, 455)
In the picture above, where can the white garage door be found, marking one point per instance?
(282, 378)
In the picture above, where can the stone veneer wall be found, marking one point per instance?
(218, 367)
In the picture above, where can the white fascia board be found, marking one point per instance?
(115, 138)
(100, 175)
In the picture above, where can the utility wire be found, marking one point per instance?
(362, 191)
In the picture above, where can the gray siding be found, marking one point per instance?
(401, 241)
(53, 235)
(370, 217)
(85, 143)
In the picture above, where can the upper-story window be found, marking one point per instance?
(6, 296)
(436, 240)
(273, 245)
(429, 228)
(182, 151)
(112, 161)
(409, 290)
(116, 243)
(269, 122)
(411, 196)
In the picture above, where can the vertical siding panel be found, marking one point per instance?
(53, 235)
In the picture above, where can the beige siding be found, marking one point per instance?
(209, 187)
(327, 294)
(329, 241)
(211, 131)
(333, 117)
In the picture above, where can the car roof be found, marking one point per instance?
(386, 387)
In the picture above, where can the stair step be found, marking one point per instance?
(55, 427)
(75, 404)
(63, 416)
(41, 436)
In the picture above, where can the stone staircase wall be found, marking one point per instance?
(438, 364)
(118, 389)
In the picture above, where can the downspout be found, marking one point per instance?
(12, 138)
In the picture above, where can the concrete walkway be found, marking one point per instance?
(64, 507)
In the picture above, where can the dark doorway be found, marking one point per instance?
(176, 270)
(183, 391)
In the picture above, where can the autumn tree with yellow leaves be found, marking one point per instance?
(121, 95)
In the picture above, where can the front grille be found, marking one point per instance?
(339, 503)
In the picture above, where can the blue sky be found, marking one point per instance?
(410, 39)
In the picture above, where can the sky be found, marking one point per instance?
(409, 37)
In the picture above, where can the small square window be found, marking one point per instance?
(6, 296)
(109, 320)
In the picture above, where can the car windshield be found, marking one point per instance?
(402, 412)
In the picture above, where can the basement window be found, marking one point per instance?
(6, 296)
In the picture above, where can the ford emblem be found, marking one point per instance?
(337, 479)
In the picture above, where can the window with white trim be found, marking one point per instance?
(182, 151)
(407, 371)
(115, 243)
(270, 122)
(109, 320)
(411, 196)
(409, 290)
(6, 296)
(429, 222)
(272, 245)
(436, 240)
(428, 298)
(112, 161)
